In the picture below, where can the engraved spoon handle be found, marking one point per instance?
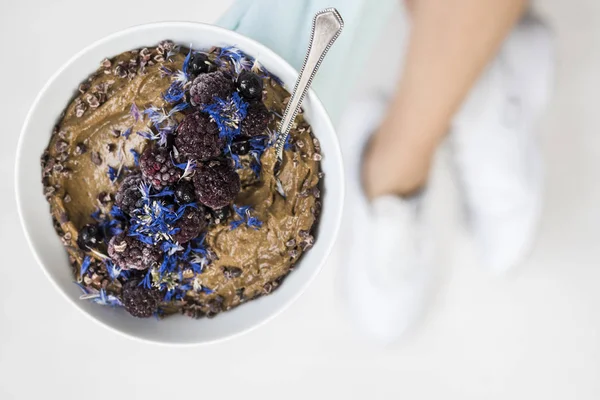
(327, 26)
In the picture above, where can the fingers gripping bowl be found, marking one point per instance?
(49, 250)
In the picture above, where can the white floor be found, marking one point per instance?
(535, 335)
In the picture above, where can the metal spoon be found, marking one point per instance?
(327, 26)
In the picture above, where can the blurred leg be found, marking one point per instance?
(451, 42)
(389, 259)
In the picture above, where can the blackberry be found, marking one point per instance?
(207, 86)
(199, 64)
(184, 192)
(220, 215)
(217, 184)
(190, 225)
(138, 300)
(129, 253)
(250, 85)
(240, 146)
(89, 237)
(198, 137)
(157, 167)
(129, 196)
(257, 120)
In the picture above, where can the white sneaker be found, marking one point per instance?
(495, 151)
(386, 264)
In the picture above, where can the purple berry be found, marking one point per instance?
(129, 196)
(198, 137)
(217, 184)
(89, 237)
(184, 192)
(129, 253)
(220, 215)
(139, 301)
(257, 120)
(199, 64)
(206, 86)
(157, 167)
(240, 146)
(190, 225)
(250, 85)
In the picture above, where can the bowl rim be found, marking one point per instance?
(18, 185)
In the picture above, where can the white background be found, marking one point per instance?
(532, 336)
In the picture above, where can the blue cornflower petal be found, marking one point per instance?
(147, 135)
(185, 287)
(169, 295)
(237, 163)
(166, 71)
(116, 212)
(254, 222)
(197, 268)
(245, 218)
(85, 265)
(170, 248)
(287, 145)
(96, 215)
(179, 295)
(136, 156)
(255, 165)
(126, 133)
(158, 314)
(113, 227)
(83, 288)
(152, 112)
(186, 62)
(113, 270)
(181, 166)
(187, 252)
(147, 281)
(113, 174)
(145, 189)
(165, 266)
(178, 108)
(162, 193)
(156, 115)
(259, 143)
(241, 211)
(236, 224)
(135, 112)
(174, 93)
(103, 295)
(163, 134)
(197, 246)
(228, 115)
(236, 57)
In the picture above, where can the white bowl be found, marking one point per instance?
(37, 222)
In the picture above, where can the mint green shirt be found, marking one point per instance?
(285, 25)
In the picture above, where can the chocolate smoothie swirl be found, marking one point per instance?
(159, 176)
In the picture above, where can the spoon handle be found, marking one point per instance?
(327, 26)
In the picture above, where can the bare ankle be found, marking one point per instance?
(394, 169)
